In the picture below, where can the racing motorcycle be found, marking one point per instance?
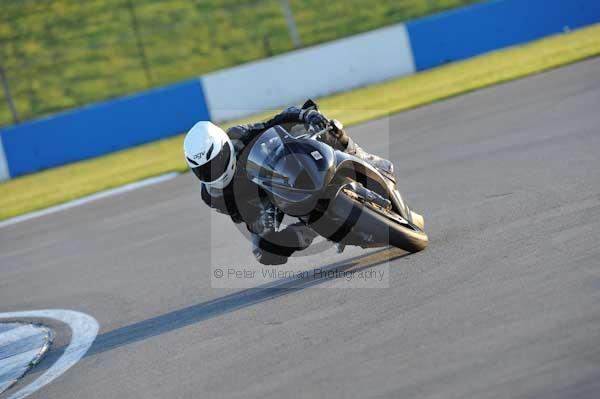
(343, 198)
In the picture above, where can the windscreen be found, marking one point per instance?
(269, 159)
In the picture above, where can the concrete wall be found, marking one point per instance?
(312, 72)
(286, 79)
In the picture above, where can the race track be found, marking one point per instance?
(505, 303)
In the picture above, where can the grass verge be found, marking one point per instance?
(71, 181)
(109, 48)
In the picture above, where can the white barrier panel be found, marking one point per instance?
(4, 174)
(291, 78)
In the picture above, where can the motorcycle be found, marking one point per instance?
(341, 197)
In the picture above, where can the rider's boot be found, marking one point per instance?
(380, 163)
(341, 141)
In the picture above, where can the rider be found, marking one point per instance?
(212, 154)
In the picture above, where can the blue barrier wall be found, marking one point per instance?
(469, 31)
(102, 128)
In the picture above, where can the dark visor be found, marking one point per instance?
(216, 167)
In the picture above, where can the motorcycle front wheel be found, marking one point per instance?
(373, 224)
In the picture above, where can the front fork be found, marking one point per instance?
(400, 205)
(396, 204)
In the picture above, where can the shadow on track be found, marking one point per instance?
(229, 303)
(238, 300)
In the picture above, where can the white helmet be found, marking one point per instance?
(210, 154)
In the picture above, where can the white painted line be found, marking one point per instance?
(7, 326)
(18, 333)
(89, 198)
(21, 348)
(84, 329)
(19, 362)
(5, 386)
(4, 174)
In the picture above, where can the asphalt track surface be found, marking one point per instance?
(505, 303)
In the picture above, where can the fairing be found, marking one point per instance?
(293, 172)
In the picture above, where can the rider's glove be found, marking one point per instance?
(315, 119)
(267, 220)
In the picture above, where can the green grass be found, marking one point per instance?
(61, 184)
(60, 54)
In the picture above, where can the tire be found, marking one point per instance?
(373, 222)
